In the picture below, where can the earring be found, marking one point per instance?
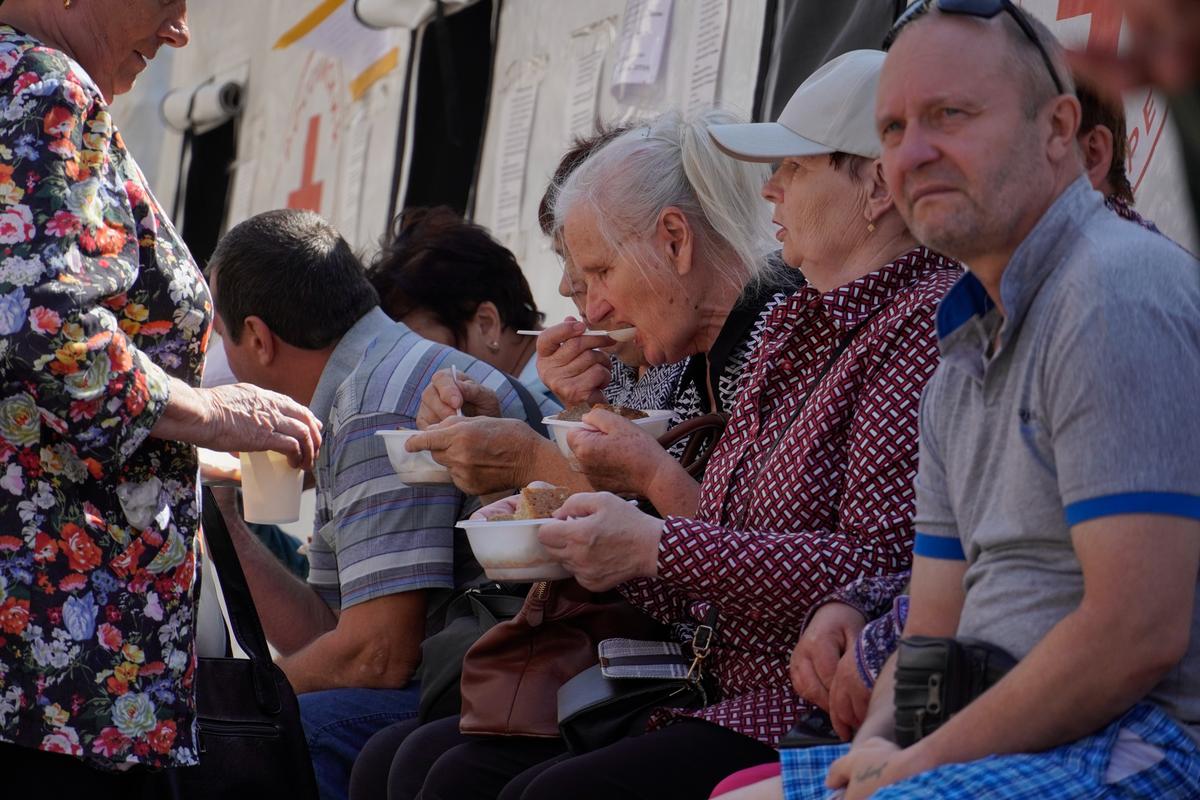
(66, 3)
(870, 227)
(494, 347)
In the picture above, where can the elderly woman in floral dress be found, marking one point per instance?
(104, 318)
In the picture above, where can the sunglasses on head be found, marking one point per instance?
(984, 9)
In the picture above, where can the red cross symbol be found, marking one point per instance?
(308, 196)
(1107, 17)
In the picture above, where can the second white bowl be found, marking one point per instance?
(654, 423)
(510, 550)
(415, 469)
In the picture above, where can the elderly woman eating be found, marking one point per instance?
(811, 484)
(698, 242)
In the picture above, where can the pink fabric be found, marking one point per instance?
(798, 502)
(747, 777)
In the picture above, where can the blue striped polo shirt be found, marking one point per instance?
(374, 535)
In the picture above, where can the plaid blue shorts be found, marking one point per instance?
(1145, 754)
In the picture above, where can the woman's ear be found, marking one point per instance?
(488, 323)
(879, 197)
(675, 236)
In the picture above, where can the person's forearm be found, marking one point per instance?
(183, 420)
(548, 464)
(672, 491)
(292, 613)
(1054, 695)
(331, 662)
(881, 713)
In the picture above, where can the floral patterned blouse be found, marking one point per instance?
(99, 302)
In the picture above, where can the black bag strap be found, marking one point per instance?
(239, 604)
(533, 412)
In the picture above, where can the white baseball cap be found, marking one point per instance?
(832, 112)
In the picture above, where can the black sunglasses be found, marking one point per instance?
(985, 9)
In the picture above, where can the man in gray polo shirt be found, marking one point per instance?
(1058, 491)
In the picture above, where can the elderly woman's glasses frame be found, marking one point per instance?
(984, 9)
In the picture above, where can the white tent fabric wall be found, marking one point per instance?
(344, 168)
(340, 165)
(1155, 168)
(539, 41)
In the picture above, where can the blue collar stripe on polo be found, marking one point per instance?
(966, 299)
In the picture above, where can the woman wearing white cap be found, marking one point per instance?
(811, 484)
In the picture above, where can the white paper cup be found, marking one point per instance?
(270, 488)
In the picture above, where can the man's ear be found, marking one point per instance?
(1064, 126)
(1097, 147)
(674, 235)
(258, 337)
(879, 197)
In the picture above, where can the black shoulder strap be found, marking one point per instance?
(243, 617)
(533, 412)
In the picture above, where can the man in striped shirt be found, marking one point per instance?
(298, 316)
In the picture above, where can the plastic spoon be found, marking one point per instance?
(454, 375)
(620, 335)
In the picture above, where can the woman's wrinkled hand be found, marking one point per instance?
(849, 697)
(241, 417)
(484, 454)
(444, 396)
(831, 633)
(603, 540)
(618, 456)
(570, 365)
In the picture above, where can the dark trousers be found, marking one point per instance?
(36, 773)
(435, 762)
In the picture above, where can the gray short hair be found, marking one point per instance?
(672, 161)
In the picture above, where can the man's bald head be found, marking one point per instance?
(1021, 54)
(976, 140)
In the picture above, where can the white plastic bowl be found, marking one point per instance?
(415, 469)
(510, 550)
(654, 423)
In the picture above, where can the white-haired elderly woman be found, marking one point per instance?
(677, 244)
(811, 485)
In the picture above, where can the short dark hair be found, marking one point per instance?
(1097, 109)
(294, 270)
(581, 147)
(435, 260)
(854, 164)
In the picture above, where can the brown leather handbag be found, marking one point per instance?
(701, 434)
(512, 674)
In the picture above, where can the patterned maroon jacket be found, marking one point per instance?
(800, 498)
